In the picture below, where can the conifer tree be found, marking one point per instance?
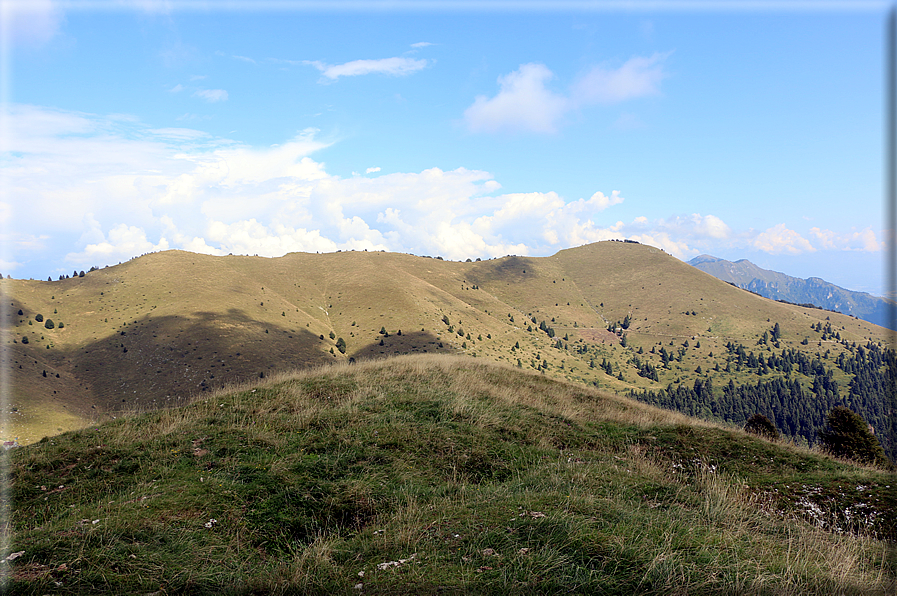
(849, 436)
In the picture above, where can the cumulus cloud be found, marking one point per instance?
(390, 66)
(524, 103)
(371, 170)
(779, 239)
(863, 240)
(211, 95)
(683, 236)
(122, 243)
(147, 189)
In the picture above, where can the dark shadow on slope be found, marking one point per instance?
(417, 342)
(508, 270)
(160, 361)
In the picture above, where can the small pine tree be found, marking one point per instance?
(849, 436)
(24, 339)
(49, 324)
(332, 335)
(61, 325)
(39, 318)
(760, 425)
(341, 345)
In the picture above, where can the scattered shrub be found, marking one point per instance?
(760, 425)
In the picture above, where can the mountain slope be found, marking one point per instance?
(428, 474)
(165, 326)
(813, 290)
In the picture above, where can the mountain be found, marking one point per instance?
(813, 290)
(436, 475)
(624, 317)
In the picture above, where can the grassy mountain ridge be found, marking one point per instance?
(168, 325)
(813, 290)
(426, 474)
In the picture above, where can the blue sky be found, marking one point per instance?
(459, 132)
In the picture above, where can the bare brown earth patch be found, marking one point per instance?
(597, 335)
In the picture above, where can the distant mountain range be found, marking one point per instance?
(813, 290)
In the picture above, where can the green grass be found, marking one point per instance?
(481, 478)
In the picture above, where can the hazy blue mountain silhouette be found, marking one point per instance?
(813, 290)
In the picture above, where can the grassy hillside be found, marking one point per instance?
(165, 326)
(429, 474)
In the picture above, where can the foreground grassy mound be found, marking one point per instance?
(436, 474)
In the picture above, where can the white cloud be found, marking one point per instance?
(779, 239)
(30, 23)
(638, 77)
(212, 95)
(863, 240)
(123, 242)
(391, 66)
(523, 103)
(176, 89)
(149, 189)
(244, 59)
(371, 170)
(421, 44)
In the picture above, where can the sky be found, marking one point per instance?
(461, 130)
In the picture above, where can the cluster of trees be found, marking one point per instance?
(645, 369)
(74, 274)
(796, 411)
(827, 331)
(624, 324)
(846, 435)
(543, 326)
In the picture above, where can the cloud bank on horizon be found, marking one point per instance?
(122, 189)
